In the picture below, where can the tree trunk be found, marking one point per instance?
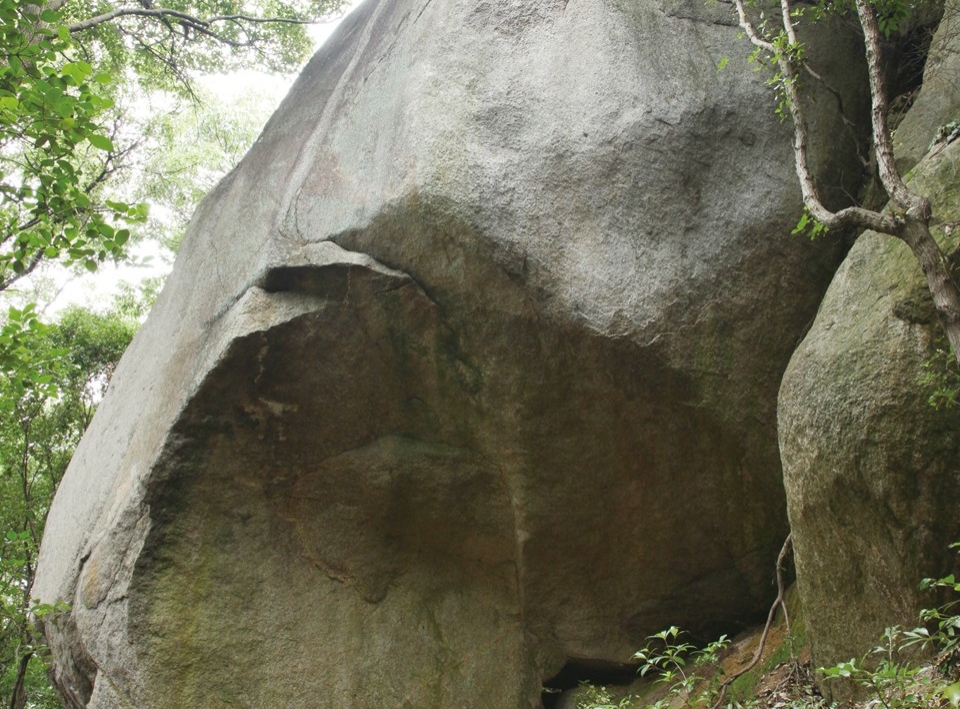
(940, 278)
(18, 698)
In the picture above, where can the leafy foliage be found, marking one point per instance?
(809, 226)
(54, 375)
(71, 77)
(889, 671)
(25, 365)
(941, 377)
(671, 661)
(193, 147)
(945, 622)
(162, 45)
(895, 683)
(667, 657)
(54, 155)
(593, 697)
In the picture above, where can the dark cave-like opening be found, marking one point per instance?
(579, 671)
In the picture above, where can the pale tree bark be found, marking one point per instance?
(910, 221)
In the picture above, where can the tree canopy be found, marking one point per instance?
(53, 377)
(72, 71)
(55, 156)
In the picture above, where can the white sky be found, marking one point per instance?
(98, 289)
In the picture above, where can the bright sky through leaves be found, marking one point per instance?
(149, 259)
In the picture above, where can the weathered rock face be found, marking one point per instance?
(468, 370)
(872, 471)
(938, 102)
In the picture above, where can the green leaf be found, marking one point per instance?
(100, 142)
(74, 70)
(100, 103)
(952, 693)
(64, 109)
(802, 224)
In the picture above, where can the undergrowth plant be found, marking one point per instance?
(671, 661)
(598, 697)
(941, 377)
(946, 621)
(891, 672)
(667, 658)
(891, 681)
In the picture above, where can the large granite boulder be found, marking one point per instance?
(871, 469)
(466, 373)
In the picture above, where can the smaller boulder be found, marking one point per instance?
(938, 104)
(871, 469)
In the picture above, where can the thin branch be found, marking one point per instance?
(889, 175)
(751, 31)
(27, 270)
(170, 63)
(786, 17)
(260, 20)
(198, 23)
(834, 92)
(185, 20)
(853, 130)
(758, 653)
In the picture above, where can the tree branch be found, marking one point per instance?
(786, 18)
(808, 186)
(761, 644)
(912, 223)
(788, 65)
(751, 30)
(164, 15)
(788, 80)
(27, 270)
(198, 23)
(889, 175)
(170, 63)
